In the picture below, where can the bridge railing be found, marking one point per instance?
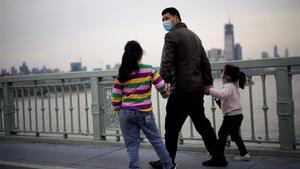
(79, 103)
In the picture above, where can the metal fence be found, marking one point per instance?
(49, 108)
(80, 103)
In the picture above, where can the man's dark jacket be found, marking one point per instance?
(184, 63)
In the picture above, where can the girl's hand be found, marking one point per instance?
(166, 93)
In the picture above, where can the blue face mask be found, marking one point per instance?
(167, 25)
(224, 80)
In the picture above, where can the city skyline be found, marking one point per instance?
(229, 52)
(56, 33)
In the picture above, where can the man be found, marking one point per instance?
(185, 65)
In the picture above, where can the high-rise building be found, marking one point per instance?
(107, 67)
(4, 72)
(97, 69)
(56, 70)
(264, 55)
(214, 54)
(286, 52)
(13, 71)
(24, 70)
(35, 70)
(276, 55)
(76, 66)
(229, 42)
(117, 66)
(238, 52)
(84, 68)
(45, 70)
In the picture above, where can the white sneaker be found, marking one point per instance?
(242, 158)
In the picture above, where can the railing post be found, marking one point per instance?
(213, 110)
(285, 109)
(98, 116)
(8, 109)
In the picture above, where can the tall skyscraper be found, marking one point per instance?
(238, 52)
(229, 42)
(276, 55)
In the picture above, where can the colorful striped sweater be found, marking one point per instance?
(135, 94)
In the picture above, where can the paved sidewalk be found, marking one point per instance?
(19, 155)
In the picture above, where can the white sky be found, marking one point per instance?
(57, 32)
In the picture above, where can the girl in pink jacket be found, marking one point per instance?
(229, 96)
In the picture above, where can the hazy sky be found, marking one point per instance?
(57, 32)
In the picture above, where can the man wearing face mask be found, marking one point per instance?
(185, 66)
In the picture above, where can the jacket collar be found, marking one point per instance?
(179, 25)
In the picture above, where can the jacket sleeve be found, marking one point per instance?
(116, 96)
(158, 81)
(223, 93)
(206, 69)
(166, 65)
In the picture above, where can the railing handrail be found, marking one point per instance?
(57, 76)
(259, 63)
(244, 64)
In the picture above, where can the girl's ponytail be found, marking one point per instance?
(242, 80)
(131, 56)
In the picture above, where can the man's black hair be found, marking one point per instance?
(172, 11)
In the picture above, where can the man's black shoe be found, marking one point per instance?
(174, 166)
(215, 163)
(156, 164)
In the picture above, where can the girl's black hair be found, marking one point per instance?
(234, 74)
(131, 56)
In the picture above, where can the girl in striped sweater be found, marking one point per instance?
(131, 98)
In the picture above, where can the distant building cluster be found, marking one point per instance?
(265, 55)
(77, 67)
(74, 67)
(25, 70)
(109, 67)
(233, 51)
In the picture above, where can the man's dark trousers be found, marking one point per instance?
(179, 107)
